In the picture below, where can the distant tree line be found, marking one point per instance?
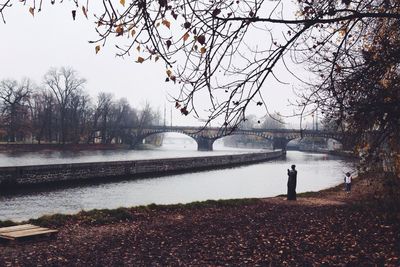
(59, 111)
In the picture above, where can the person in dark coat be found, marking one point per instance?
(292, 182)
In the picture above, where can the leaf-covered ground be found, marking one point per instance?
(329, 228)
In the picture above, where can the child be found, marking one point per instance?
(347, 180)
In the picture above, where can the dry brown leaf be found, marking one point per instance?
(84, 11)
(166, 23)
(185, 36)
(32, 11)
(140, 60)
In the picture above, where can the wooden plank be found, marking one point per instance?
(25, 230)
(6, 237)
(17, 228)
(40, 231)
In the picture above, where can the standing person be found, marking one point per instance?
(347, 180)
(292, 182)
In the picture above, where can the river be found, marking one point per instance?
(267, 179)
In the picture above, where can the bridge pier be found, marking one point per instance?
(204, 143)
(280, 143)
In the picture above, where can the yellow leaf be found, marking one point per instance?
(84, 11)
(169, 72)
(133, 32)
(97, 48)
(32, 11)
(343, 31)
(122, 2)
(202, 50)
(166, 23)
(185, 36)
(140, 60)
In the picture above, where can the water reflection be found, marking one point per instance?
(315, 172)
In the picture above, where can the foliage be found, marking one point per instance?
(358, 88)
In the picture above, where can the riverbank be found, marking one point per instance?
(328, 227)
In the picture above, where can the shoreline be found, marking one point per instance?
(304, 195)
(328, 227)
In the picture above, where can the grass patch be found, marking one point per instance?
(7, 223)
(51, 220)
(105, 216)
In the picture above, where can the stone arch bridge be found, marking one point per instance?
(205, 137)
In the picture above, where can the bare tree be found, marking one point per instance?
(63, 82)
(14, 98)
(273, 121)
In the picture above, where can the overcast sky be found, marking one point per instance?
(29, 46)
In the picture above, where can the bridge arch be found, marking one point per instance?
(309, 143)
(259, 140)
(205, 137)
(142, 137)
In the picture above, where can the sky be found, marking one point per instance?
(30, 46)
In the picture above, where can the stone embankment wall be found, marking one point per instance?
(41, 174)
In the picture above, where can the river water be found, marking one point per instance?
(315, 172)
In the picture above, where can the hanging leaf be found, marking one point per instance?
(119, 30)
(216, 12)
(84, 11)
(73, 14)
(169, 72)
(174, 15)
(140, 60)
(138, 48)
(184, 111)
(343, 31)
(202, 50)
(133, 32)
(156, 58)
(32, 11)
(169, 43)
(166, 23)
(201, 39)
(185, 36)
(97, 48)
(122, 2)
